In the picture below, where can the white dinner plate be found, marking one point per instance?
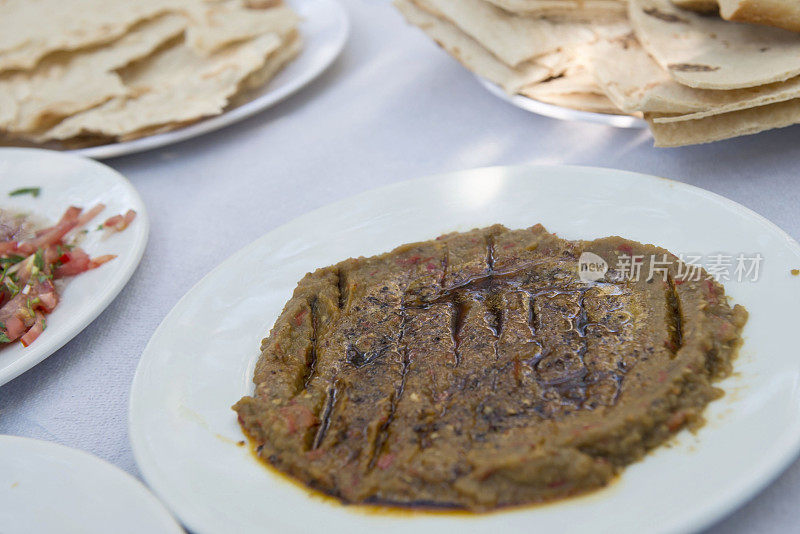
(324, 29)
(562, 113)
(65, 181)
(200, 360)
(46, 487)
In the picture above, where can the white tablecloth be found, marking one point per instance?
(393, 107)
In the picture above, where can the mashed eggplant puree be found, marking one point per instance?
(479, 370)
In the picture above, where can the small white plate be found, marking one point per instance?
(66, 181)
(562, 113)
(200, 360)
(324, 29)
(45, 487)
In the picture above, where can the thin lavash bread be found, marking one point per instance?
(26, 36)
(186, 62)
(635, 82)
(469, 52)
(710, 53)
(65, 83)
(725, 126)
(701, 6)
(581, 9)
(176, 85)
(780, 13)
(509, 50)
(216, 25)
(511, 38)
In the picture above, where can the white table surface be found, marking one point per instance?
(393, 107)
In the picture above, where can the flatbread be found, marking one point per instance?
(780, 13)
(263, 4)
(275, 62)
(725, 126)
(557, 62)
(701, 6)
(175, 85)
(740, 99)
(635, 82)
(575, 88)
(569, 8)
(579, 101)
(30, 29)
(710, 53)
(217, 25)
(65, 83)
(471, 54)
(577, 79)
(512, 39)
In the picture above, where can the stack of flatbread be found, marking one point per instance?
(695, 77)
(83, 72)
(536, 48)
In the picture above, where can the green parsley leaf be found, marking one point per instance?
(4, 338)
(12, 286)
(31, 303)
(34, 191)
(38, 259)
(11, 260)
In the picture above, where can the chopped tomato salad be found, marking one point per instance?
(29, 268)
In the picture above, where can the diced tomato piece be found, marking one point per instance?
(48, 301)
(15, 327)
(34, 331)
(119, 222)
(74, 262)
(91, 214)
(53, 235)
(100, 260)
(8, 247)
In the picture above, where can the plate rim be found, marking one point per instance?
(563, 113)
(706, 517)
(141, 239)
(166, 516)
(233, 115)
